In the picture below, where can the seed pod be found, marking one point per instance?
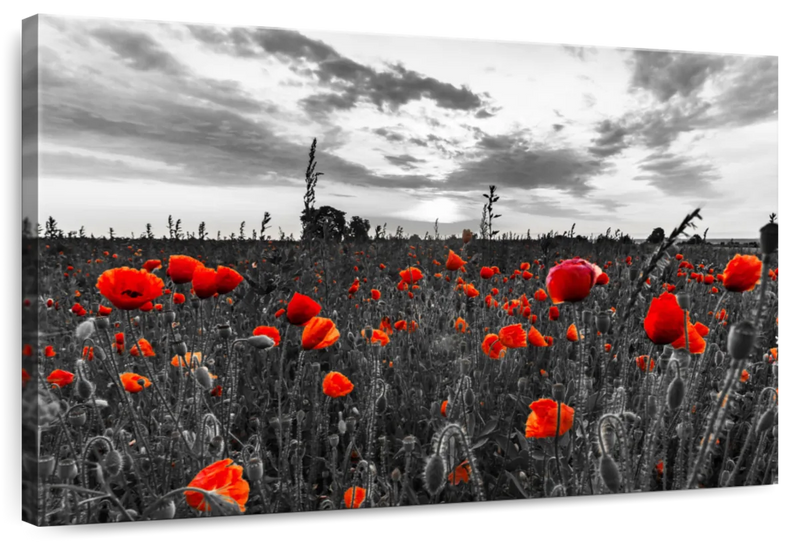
(587, 316)
(741, 339)
(684, 301)
(675, 393)
(113, 463)
(408, 444)
(102, 323)
(333, 440)
(610, 473)
(47, 466)
(559, 392)
(203, 377)
(179, 348)
(224, 330)
(766, 421)
(603, 322)
(67, 470)
(164, 509)
(255, 469)
(434, 474)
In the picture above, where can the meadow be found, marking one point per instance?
(177, 377)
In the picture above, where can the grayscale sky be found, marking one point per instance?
(140, 120)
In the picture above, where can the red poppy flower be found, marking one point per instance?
(664, 321)
(513, 336)
(87, 354)
(526, 275)
(572, 280)
(151, 265)
(454, 261)
(146, 307)
(443, 409)
(701, 329)
(130, 381)
(536, 339)
(224, 480)
(400, 325)
(470, 291)
(78, 310)
(354, 502)
(602, 279)
(543, 418)
(60, 378)
(411, 275)
(25, 377)
(376, 295)
(336, 384)
(147, 349)
(742, 273)
(104, 311)
(272, 332)
(641, 362)
(461, 325)
(540, 295)
(178, 298)
(301, 310)
(217, 391)
(745, 376)
(319, 333)
(128, 288)
(228, 279)
(188, 359)
(378, 337)
(554, 313)
(181, 268)
(204, 282)
(487, 273)
(49, 351)
(696, 342)
(572, 333)
(461, 474)
(492, 346)
(679, 257)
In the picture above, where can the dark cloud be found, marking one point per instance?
(406, 162)
(138, 50)
(678, 174)
(390, 135)
(558, 127)
(666, 73)
(350, 81)
(611, 139)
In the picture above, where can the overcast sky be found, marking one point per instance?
(140, 120)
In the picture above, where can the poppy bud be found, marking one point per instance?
(408, 444)
(255, 469)
(766, 421)
(652, 406)
(396, 475)
(559, 392)
(47, 465)
(675, 393)
(224, 330)
(610, 473)
(741, 340)
(216, 445)
(67, 469)
(603, 322)
(681, 358)
(168, 316)
(434, 474)
(342, 426)
(301, 417)
(77, 417)
(84, 388)
(127, 460)
(102, 323)
(164, 509)
(84, 330)
(113, 463)
(203, 377)
(608, 435)
(179, 348)
(469, 397)
(684, 301)
(261, 341)
(769, 238)
(719, 358)
(333, 440)
(522, 383)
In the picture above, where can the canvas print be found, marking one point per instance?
(271, 270)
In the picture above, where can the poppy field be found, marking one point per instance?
(178, 378)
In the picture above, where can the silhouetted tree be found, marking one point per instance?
(657, 236)
(325, 223)
(359, 228)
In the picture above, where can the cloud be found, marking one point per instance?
(665, 73)
(349, 81)
(678, 174)
(611, 139)
(406, 162)
(138, 50)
